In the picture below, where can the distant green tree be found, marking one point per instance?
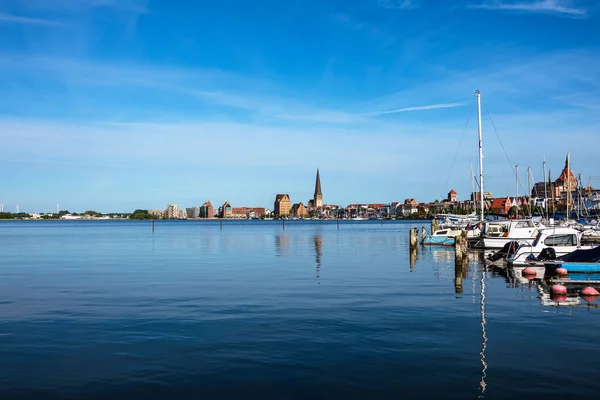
(140, 214)
(514, 210)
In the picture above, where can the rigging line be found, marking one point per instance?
(502, 146)
(456, 154)
(500, 141)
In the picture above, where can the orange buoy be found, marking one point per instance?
(589, 291)
(529, 272)
(561, 271)
(558, 289)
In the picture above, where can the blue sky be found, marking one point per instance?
(121, 104)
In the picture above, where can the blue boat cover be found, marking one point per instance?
(588, 255)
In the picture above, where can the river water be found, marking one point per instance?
(108, 309)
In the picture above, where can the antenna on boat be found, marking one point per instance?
(478, 95)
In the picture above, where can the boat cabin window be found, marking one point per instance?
(496, 230)
(561, 240)
(524, 224)
(441, 232)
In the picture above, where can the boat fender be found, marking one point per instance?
(529, 272)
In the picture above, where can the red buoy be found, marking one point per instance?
(558, 289)
(529, 272)
(589, 291)
(561, 271)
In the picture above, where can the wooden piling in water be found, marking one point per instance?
(152, 224)
(283, 223)
(414, 238)
(220, 224)
(461, 246)
(423, 232)
(434, 225)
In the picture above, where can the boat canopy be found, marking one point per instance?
(589, 255)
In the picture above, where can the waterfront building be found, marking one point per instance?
(476, 196)
(318, 196)
(157, 213)
(172, 211)
(193, 212)
(502, 205)
(207, 211)
(225, 210)
(257, 212)
(282, 205)
(566, 182)
(239, 212)
(452, 196)
(182, 214)
(299, 210)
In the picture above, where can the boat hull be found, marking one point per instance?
(438, 241)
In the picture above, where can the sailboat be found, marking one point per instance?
(446, 237)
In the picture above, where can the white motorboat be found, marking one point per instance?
(561, 239)
(497, 233)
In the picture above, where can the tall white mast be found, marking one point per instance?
(545, 191)
(473, 188)
(478, 94)
(568, 181)
(528, 197)
(517, 188)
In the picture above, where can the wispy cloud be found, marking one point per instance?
(417, 108)
(17, 19)
(557, 7)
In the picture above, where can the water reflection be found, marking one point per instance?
(483, 335)
(318, 242)
(461, 270)
(282, 245)
(412, 253)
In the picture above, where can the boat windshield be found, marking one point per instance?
(537, 239)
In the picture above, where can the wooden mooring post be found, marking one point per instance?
(283, 223)
(434, 225)
(423, 232)
(414, 238)
(461, 246)
(220, 224)
(152, 224)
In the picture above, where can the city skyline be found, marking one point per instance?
(152, 104)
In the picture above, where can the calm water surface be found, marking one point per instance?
(105, 309)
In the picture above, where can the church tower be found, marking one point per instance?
(318, 198)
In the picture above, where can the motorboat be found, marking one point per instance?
(496, 234)
(557, 241)
(442, 237)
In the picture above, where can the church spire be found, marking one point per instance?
(318, 197)
(318, 185)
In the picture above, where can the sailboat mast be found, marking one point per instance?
(478, 94)
(568, 181)
(545, 191)
(517, 188)
(473, 196)
(528, 197)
